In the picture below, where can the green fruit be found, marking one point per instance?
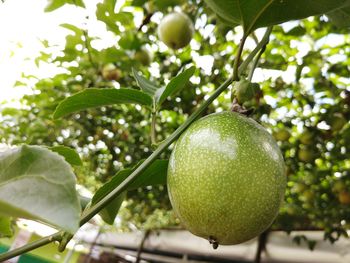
(306, 137)
(338, 122)
(307, 196)
(241, 87)
(143, 56)
(110, 72)
(338, 187)
(176, 30)
(306, 155)
(281, 135)
(226, 178)
(344, 198)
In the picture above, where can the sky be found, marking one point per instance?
(23, 25)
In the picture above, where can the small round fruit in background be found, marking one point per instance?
(143, 56)
(176, 30)
(110, 72)
(344, 197)
(281, 135)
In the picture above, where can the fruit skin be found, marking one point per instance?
(226, 178)
(110, 72)
(176, 30)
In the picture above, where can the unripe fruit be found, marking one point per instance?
(281, 135)
(344, 198)
(226, 178)
(246, 91)
(176, 30)
(338, 122)
(306, 137)
(143, 56)
(306, 155)
(110, 72)
(338, 187)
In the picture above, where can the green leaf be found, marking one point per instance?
(69, 154)
(55, 4)
(105, 13)
(340, 17)
(109, 213)
(6, 229)
(90, 98)
(155, 174)
(252, 14)
(145, 85)
(175, 85)
(38, 184)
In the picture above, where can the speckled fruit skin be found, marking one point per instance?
(176, 30)
(226, 178)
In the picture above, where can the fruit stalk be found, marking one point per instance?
(261, 44)
(238, 58)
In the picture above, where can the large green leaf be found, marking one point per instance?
(55, 4)
(175, 85)
(252, 14)
(69, 154)
(155, 174)
(6, 229)
(38, 184)
(340, 17)
(92, 97)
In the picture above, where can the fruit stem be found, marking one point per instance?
(256, 62)
(153, 127)
(89, 52)
(238, 58)
(262, 43)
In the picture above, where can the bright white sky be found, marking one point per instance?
(23, 25)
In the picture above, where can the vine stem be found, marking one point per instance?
(238, 58)
(166, 143)
(153, 128)
(90, 213)
(263, 42)
(33, 245)
(255, 63)
(153, 124)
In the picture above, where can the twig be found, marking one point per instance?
(252, 54)
(145, 21)
(139, 251)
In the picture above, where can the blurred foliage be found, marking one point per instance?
(307, 109)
